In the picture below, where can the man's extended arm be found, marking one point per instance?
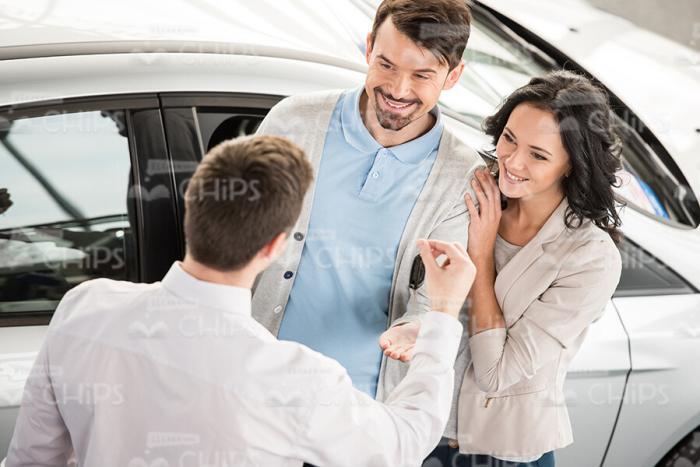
(347, 427)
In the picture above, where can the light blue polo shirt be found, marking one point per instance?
(339, 302)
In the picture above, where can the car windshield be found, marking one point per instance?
(495, 65)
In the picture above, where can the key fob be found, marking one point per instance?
(417, 273)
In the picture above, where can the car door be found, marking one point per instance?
(90, 196)
(661, 312)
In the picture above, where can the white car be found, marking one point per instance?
(104, 117)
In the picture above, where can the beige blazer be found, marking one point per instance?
(511, 402)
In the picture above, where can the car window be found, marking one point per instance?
(649, 186)
(643, 274)
(195, 123)
(217, 125)
(65, 180)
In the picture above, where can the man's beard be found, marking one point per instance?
(390, 120)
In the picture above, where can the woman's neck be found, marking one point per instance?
(525, 217)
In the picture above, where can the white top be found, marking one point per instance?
(179, 373)
(504, 252)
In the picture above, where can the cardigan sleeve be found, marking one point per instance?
(453, 228)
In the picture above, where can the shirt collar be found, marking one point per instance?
(358, 136)
(222, 297)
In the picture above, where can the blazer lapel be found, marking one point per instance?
(529, 253)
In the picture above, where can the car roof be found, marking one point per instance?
(43, 28)
(156, 39)
(655, 77)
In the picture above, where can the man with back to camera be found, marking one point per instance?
(387, 174)
(208, 384)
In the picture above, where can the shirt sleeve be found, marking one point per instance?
(346, 427)
(41, 436)
(566, 309)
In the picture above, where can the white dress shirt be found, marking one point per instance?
(178, 373)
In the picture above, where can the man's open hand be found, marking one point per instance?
(398, 341)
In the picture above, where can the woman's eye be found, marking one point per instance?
(539, 157)
(386, 66)
(421, 77)
(508, 138)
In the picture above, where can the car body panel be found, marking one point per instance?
(661, 403)
(300, 25)
(25, 80)
(594, 390)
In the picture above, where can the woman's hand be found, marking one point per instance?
(398, 341)
(484, 221)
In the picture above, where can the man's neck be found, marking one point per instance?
(242, 278)
(390, 138)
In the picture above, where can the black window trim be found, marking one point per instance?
(209, 100)
(688, 290)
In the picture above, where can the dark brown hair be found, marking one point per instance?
(441, 26)
(586, 127)
(245, 192)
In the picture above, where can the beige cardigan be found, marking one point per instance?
(511, 402)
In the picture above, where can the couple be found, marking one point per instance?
(213, 385)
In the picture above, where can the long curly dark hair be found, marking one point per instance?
(585, 120)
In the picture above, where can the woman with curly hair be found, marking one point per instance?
(547, 264)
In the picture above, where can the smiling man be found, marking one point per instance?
(387, 173)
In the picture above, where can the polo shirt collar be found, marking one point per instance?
(221, 297)
(358, 136)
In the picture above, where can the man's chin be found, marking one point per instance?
(393, 123)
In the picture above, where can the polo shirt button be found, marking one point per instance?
(277, 309)
(298, 236)
(375, 175)
(288, 274)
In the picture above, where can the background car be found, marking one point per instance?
(104, 117)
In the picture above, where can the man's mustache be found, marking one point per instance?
(389, 96)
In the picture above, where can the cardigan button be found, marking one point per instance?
(453, 444)
(298, 236)
(288, 274)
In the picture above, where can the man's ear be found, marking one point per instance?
(453, 76)
(368, 47)
(274, 248)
